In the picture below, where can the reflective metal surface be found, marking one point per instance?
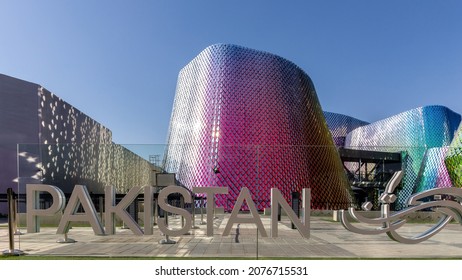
(340, 125)
(391, 222)
(412, 132)
(454, 159)
(247, 118)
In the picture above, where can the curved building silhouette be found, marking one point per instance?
(420, 135)
(247, 118)
(340, 125)
(453, 159)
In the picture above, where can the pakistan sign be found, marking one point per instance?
(81, 197)
(387, 223)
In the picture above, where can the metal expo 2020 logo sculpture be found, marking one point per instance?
(390, 222)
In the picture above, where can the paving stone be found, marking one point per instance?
(327, 240)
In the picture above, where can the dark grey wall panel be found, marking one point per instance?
(58, 144)
(18, 124)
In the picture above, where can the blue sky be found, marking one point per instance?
(118, 61)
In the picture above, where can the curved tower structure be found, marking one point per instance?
(453, 159)
(246, 118)
(421, 135)
(340, 125)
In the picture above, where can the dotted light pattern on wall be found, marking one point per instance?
(411, 132)
(94, 165)
(454, 159)
(246, 118)
(340, 125)
(76, 149)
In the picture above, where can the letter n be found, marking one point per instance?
(278, 200)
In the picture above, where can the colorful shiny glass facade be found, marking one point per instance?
(433, 172)
(421, 135)
(246, 118)
(340, 125)
(453, 159)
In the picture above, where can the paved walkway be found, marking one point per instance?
(328, 240)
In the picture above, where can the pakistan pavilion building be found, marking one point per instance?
(240, 118)
(247, 118)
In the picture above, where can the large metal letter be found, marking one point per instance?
(234, 218)
(120, 210)
(33, 199)
(79, 197)
(148, 210)
(277, 199)
(210, 192)
(163, 195)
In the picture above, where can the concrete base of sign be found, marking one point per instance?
(13, 253)
(335, 216)
(65, 240)
(167, 241)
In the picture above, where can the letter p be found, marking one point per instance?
(33, 204)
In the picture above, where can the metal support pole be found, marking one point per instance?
(156, 212)
(279, 213)
(202, 211)
(213, 200)
(101, 208)
(11, 251)
(65, 239)
(182, 207)
(177, 204)
(236, 239)
(123, 223)
(193, 207)
(17, 231)
(257, 243)
(182, 218)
